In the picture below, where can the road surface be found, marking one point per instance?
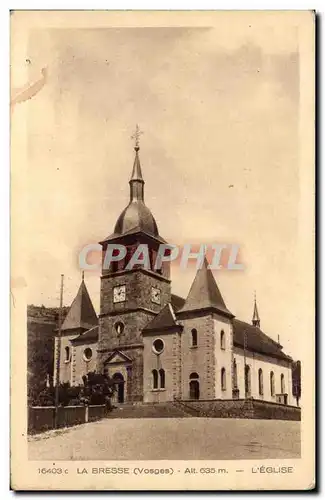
(170, 439)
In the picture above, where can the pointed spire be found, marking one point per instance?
(81, 313)
(204, 293)
(256, 318)
(136, 182)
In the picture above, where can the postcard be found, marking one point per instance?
(163, 250)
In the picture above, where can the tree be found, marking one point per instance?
(98, 388)
(46, 396)
(296, 380)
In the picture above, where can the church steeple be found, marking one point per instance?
(81, 313)
(136, 182)
(136, 217)
(256, 318)
(205, 294)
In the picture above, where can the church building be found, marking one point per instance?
(158, 346)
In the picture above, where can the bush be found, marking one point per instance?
(97, 390)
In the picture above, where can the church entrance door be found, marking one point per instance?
(119, 385)
(194, 389)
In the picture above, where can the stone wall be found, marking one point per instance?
(134, 322)
(241, 408)
(138, 285)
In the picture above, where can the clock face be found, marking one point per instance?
(119, 293)
(155, 295)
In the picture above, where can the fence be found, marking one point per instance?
(42, 418)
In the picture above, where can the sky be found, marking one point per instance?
(219, 106)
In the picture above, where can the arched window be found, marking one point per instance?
(247, 381)
(154, 379)
(272, 388)
(222, 340)
(260, 382)
(234, 375)
(162, 378)
(282, 384)
(223, 379)
(194, 386)
(194, 337)
(119, 328)
(67, 353)
(88, 354)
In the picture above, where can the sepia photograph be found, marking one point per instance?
(162, 280)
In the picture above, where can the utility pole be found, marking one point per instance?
(58, 358)
(245, 375)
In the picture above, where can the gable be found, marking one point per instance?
(117, 357)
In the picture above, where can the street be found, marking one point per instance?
(170, 439)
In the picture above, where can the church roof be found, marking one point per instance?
(88, 336)
(81, 313)
(132, 231)
(256, 340)
(177, 302)
(204, 293)
(136, 215)
(164, 320)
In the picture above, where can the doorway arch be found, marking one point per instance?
(194, 386)
(119, 384)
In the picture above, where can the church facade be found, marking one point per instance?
(158, 346)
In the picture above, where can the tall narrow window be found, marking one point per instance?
(222, 340)
(67, 353)
(247, 381)
(282, 384)
(260, 382)
(162, 378)
(272, 388)
(234, 375)
(194, 337)
(223, 379)
(155, 379)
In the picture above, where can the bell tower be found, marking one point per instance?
(131, 295)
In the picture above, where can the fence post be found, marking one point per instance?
(86, 413)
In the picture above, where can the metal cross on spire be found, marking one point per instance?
(136, 137)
